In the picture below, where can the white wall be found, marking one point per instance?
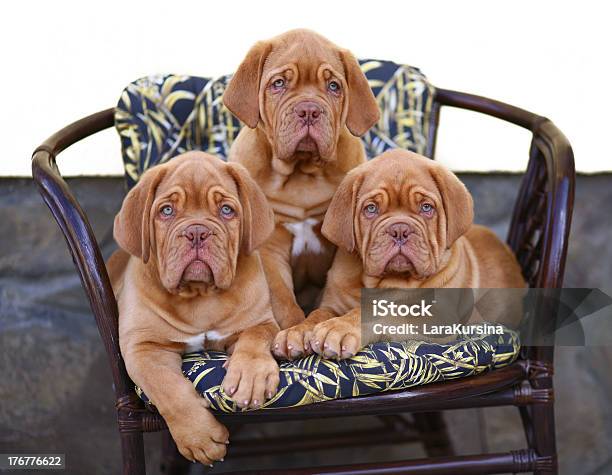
(63, 60)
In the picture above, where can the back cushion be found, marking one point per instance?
(161, 116)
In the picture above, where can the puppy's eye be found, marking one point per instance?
(278, 84)
(427, 208)
(334, 87)
(227, 211)
(166, 211)
(371, 210)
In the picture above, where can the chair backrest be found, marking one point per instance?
(161, 116)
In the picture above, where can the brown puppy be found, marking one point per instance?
(399, 221)
(305, 102)
(192, 280)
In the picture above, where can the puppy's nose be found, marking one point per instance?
(399, 232)
(308, 111)
(197, 234)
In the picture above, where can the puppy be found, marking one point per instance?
(187, 277)
(304, 101)
(399, 221)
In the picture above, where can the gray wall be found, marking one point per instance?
(55, 385)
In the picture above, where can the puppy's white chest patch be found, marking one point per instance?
(196, 343)
(304, 237)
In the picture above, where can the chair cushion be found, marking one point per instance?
(161, 116)
(377, 368)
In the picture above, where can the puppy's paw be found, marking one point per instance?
(251, 379)
(336, 339)
(198, 435)
(293, 342)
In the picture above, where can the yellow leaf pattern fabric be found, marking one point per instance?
(161, 116)
(377, 368)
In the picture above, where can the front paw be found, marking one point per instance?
(198, 435)
(336, 339)
(251, 379)
(293, 342)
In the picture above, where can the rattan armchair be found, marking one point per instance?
(538, 235)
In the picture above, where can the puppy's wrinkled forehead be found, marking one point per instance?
(305, 50)
(397, 175)
(196, 177)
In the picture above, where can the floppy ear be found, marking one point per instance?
(338, 224)
(363, 110)
(457, 202)
(132, 224)
(257, 214)
(242, 94)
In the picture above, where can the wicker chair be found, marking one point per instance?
(538, 235)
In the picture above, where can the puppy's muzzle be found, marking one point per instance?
(196, 234)
(399, 232)
(308, 112)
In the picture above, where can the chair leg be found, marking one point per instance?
(132, 449)
(541, 433)
(172, 462)
(434, 433)
(526, 420)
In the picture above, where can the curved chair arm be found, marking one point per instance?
(501, 110)
(79, 236)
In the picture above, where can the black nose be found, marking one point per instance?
(197, 234)
(399, 232)
(308, 111)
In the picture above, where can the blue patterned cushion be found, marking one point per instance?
(377, 368)
(161, 116)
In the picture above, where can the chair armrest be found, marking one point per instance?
(484, 105)
(79, 236)
(551, 179)
(539, 235)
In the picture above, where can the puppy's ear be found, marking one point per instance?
(132, 228)
(363, 110)
(339, 222)
(457, 202)
(242, 94)
(257, 215)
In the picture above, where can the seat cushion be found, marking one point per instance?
(377, 368)
(161, 116)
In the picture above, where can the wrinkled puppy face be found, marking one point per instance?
(192, 216)
(405, 211)
(302, 90)
(303, 99)
(196, 227)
